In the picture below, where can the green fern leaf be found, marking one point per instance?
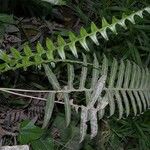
(62, 44)
(40, 49)
(4, 57)
(93, 36)
(16, 54)
(50, 47)
(72, 46)
(27, 50)
(83, 42)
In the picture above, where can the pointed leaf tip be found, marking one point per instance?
(4, 56)
(40, 48)
(61, 44)
(83, 41)
(94, 30)
(83, 32)
(61, 41)
(49, 44)
(104, 23)
(114, 20)
(16, 53)
(94, 27)
(50, 47)
(27, 50)
(72, 37)
(84, 44)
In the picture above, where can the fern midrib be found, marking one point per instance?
(48, 61)
(74, 90)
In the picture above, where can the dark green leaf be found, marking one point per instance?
(43, 144)
(29, 132)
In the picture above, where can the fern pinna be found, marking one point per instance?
(121, 87)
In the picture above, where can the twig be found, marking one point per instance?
(28, 96)
(33, 97)
(45, 91)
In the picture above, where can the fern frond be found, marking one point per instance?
(16, 59)
(122, 87)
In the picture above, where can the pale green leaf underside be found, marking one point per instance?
(120, 86)
(125, 93)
